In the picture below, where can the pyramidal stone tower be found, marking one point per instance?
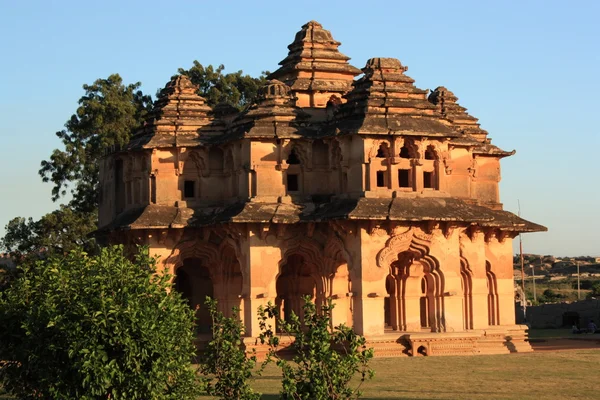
(337, 183)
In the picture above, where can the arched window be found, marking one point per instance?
(404, 152)
(424, 303)
(430, 153)
(430, 167)
(493, 316)
(293, 173)
(293, 158)
(383, 151)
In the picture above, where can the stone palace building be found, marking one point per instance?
(338, 183)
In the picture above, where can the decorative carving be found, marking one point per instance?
(412, 241)
(449, 229)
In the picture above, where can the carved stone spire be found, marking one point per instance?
(446, 103)
(178, 116)
(314, 68)
(385, 100)
(272, 115)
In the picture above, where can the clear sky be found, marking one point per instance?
(529, 70)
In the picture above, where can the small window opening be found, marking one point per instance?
(380, 179)
(404, 153)
(429, 154)
(382, 152)
(428, 180)
(189, 189)
(293, 158)
(292, 183)
(404, 178)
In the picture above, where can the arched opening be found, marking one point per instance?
(429, 153)
(228, 285)
(295, 281)
(424, 303)
(194, 282)
(404, 152)
(430, 166)
(189, 178)
(293, 158)
(466, 283)
(383, 151)
(414, 287)
(293, 173)
(390, 304)
(492, 298)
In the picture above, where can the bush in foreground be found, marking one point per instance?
(102, 327)
(226, 367)
(325, 359)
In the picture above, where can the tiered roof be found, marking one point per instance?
(177, 119)
(314, 63)
(448, 107)
(385, 100)
(272, 115)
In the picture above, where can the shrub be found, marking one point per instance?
(225, 365)
(325, 359)
(92, 327)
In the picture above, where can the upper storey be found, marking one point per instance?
(315, 69)
(315, 139)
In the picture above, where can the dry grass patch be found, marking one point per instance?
(536, 376)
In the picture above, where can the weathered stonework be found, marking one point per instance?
(367, 191)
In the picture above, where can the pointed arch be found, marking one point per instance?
(492, 298)
(466, 280)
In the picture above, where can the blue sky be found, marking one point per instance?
(527, 69)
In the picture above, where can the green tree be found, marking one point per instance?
(234, 88)
(59, 231)
(325, 359)
(225, 365)
(96, 327)
(108, 113)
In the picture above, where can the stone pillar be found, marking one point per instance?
(261, 269)
(480, 302)
(412, 303)
(499, 254)
(368, 282)
(453, 303)
(341, 297)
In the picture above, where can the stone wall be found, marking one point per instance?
(559, 315)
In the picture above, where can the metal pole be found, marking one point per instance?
(578, 283)
(533, 277)
(521, 255)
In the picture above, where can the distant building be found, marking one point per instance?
(366, 191)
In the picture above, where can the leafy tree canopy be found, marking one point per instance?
(108, 112)
(59, 231)
(234, 88)
(96, 327)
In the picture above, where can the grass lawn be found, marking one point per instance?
(543, 375)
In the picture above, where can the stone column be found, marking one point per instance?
(412, 303)
(341, 297)
(368, 282)
(261, 269)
